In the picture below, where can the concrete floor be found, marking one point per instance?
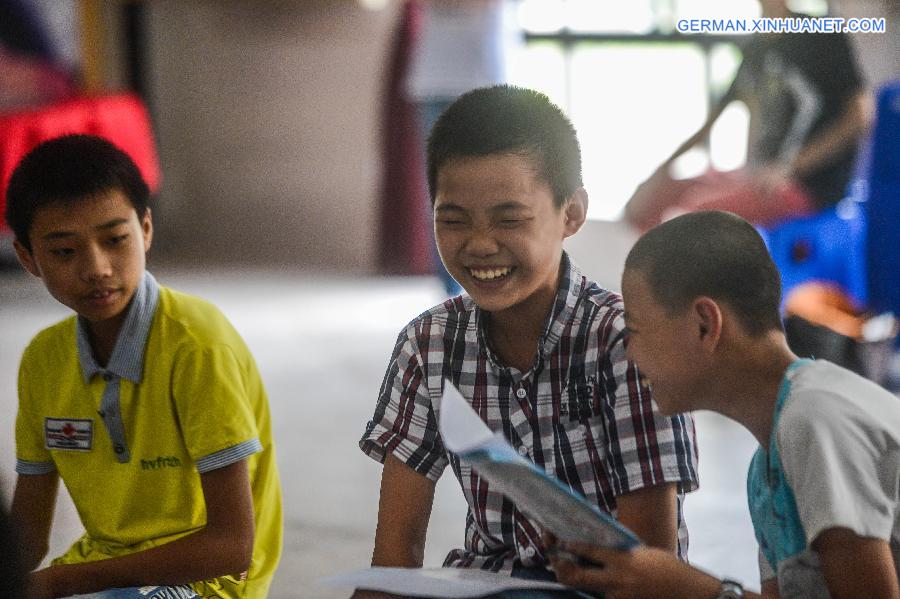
(322, 364)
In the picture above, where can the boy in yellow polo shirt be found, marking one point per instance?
(146, 403)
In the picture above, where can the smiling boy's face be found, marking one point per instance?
(90, 254)
(498, 230)
(662, 346)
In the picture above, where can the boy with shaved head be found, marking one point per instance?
(702, 310)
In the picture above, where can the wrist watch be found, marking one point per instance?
(731, 589)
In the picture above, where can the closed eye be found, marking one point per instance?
(117, 239)
(513, 222)
(62, 252)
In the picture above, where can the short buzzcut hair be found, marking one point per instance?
(70, 169)
(505, 119)
(713, 254)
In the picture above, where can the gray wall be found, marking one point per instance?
(267, 116)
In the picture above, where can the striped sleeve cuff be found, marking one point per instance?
(377, 442)
(26, 467)
(229, 456)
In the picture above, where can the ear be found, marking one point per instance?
(26, 259)
(708, 321)
(147, 229)
(575, 212)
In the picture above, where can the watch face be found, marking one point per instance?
(731, 590)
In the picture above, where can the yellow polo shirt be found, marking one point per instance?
(131, 439)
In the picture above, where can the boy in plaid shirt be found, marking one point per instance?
(537, 348)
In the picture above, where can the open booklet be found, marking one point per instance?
(543, 498)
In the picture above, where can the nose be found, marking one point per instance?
(482, 243)
(97, 264)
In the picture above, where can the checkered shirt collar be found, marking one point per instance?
(568, 293)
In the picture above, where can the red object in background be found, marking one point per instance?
(661, 197)
(405, 245)
(121, 118)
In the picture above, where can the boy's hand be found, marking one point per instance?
(643, 572)
(42, 583)
(54, 581)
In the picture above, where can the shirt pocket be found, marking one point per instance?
(578, 402)
(576, 455)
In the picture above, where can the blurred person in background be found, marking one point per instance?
(808, 110)
(461, 45)
(31, 68)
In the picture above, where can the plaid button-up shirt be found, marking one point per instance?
(581, 413)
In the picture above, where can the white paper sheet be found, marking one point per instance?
(434, 582)
(462, 430)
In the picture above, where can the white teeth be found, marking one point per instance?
(489, 274)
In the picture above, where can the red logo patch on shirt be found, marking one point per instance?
(68, 434)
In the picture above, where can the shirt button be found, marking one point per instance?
(521, 393)
(107, 376)
(118, 448)
(523, 451)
